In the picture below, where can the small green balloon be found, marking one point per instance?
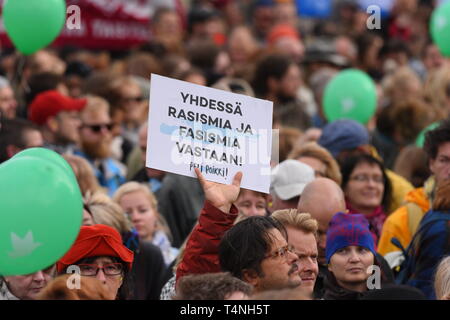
(351, 94)
(33, 24)
(440, 28)
(41, 214)
(50, 155)
(420, 140)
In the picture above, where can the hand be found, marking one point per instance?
(220, 195)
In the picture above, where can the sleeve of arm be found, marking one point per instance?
(202, 248)
(394, 226)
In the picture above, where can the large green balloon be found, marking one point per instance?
(440, 28)
(351, 94)
(50, 155)
(420, 140)
(40, 213)
(33, 24)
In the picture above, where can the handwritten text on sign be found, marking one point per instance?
(219, 132)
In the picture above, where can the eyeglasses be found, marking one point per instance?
(98, 127)
(281, 252)
(365, 178)
(133, 99)
(91, 270)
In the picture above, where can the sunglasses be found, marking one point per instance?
(98, 127)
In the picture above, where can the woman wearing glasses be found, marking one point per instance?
(367, 190)
(99, 252)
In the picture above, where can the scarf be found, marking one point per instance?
(376, 220)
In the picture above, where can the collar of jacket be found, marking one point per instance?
(333, 291)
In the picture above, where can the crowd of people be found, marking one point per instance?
(355, 211)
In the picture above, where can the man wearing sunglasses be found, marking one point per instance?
(59, 119)
(96, 139)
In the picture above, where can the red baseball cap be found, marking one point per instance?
(94, 241)
(49, 103)
(282, 31)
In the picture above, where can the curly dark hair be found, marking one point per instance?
(434, 138)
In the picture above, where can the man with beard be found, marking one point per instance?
(58, 117)
(254, 250)
(96, 138)
(278, 78)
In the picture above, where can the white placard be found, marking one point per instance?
(217, 131)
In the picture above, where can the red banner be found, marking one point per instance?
(104, 24)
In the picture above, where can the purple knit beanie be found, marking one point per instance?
(348, 230)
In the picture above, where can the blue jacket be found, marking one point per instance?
(112, 175)
(430, 244)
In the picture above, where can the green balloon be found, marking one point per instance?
(33, 24)
(40, 212)
(440, 28)
(50, 155)
(420, 140)
(351, 94)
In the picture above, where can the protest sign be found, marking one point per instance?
(219, 132)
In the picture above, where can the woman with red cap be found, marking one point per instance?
(99, 252)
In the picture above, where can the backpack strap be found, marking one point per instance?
(436, 217)
(415, 215)
(408, 264)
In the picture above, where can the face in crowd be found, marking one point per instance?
(27, 287)
(365, 188)
(141, 213)
(440, 166)
(349, 265)
(66, 126)
(8, 103)
(251, 203)
(108, 270)
(96, 134)
(279, 267)
(305, 246)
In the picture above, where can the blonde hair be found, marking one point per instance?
(313, 150)
(133, 186)
(436, 87)
(106, 211)
(396, 84)
(95, 105)
(442, 280)
(297, 220)
(84, 173)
